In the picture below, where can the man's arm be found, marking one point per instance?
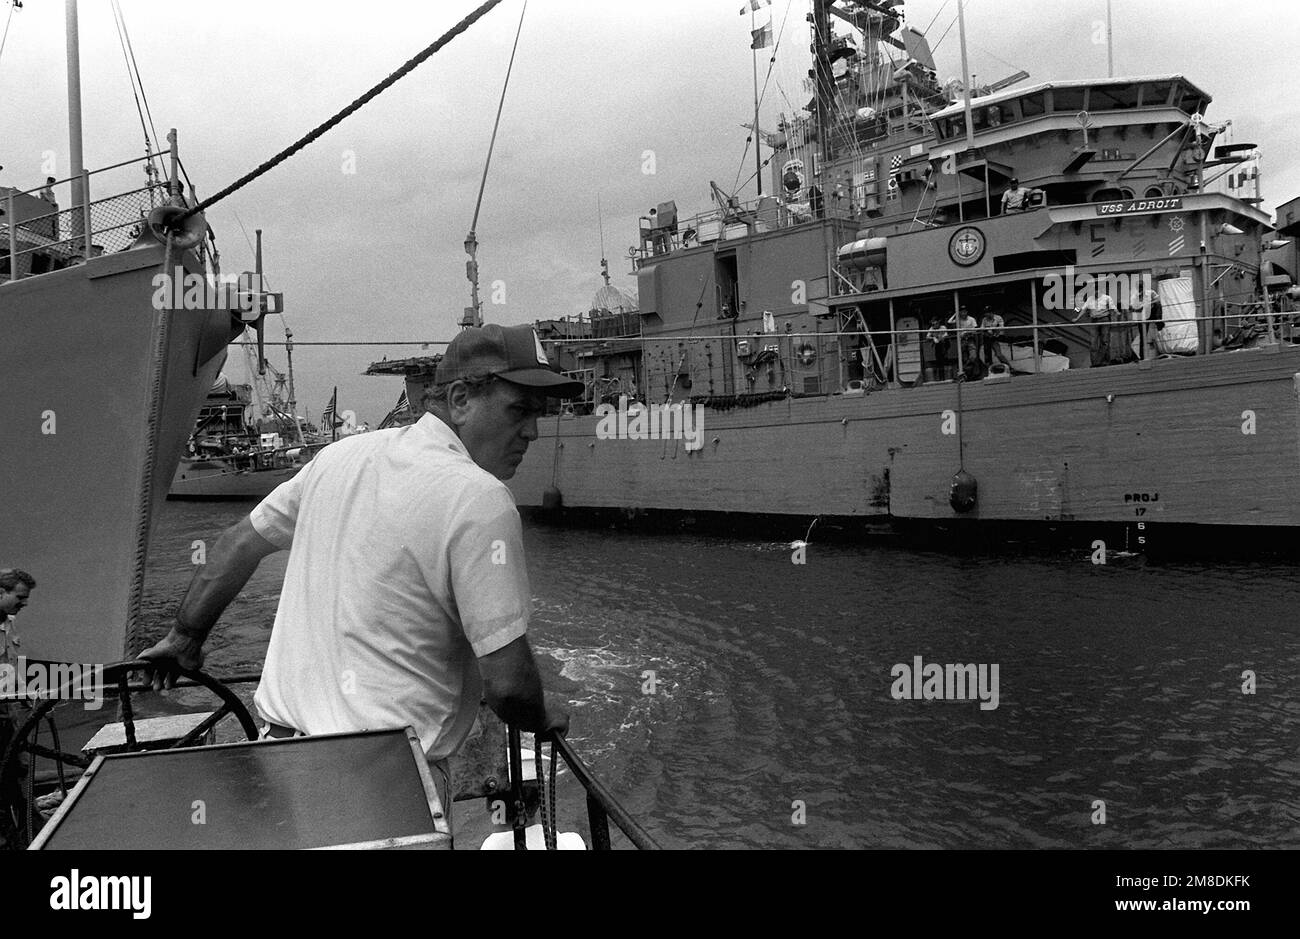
(231, 562)
(513, 688)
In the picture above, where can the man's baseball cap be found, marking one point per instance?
(513, 353)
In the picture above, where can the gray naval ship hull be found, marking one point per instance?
(1206, 443)
(210, 479)
(100, 392)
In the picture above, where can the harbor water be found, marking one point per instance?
(733, 698)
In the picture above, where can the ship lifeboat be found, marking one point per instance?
(863, 253)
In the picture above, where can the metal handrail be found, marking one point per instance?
(655, 242)
(1278, 328)
(113, 166)
(1083, 323)
(601, 804)
(75, 242)
(83, 210)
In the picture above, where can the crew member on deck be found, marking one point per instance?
(937, 336)
(971, 367)
(406, 594)
(1148, 303)
(815, 200)
(1101, 312)
(1016, 199)
(15, 589)
(991, 326)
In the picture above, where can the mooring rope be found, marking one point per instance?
(352, 108)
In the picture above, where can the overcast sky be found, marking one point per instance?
(377, 254)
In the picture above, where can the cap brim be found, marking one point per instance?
(555, 386)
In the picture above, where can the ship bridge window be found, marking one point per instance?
(1109, 194)
(1190, 102)
(1156, 94)
(1068, 99)
(1113, 97)
(1033, 105)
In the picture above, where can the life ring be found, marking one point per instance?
(807, 354)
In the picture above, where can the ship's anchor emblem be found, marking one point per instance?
(967, 246)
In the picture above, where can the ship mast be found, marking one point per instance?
(261, 302)
(74, 121)
(822, 79)
(758, 138)
(965, 74)
(600, 223)
(293, 401)
(1110, 46)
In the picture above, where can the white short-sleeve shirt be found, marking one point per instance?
(406, 563)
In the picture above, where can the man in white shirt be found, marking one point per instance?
(964, 324)
(406, 578)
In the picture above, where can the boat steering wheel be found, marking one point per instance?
(20, 830)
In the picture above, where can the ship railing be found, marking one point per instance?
(1253, 327)
(602, 807)
(741, 220)
(62, 237)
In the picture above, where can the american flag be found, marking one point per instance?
(399, 410)
(330, 417)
